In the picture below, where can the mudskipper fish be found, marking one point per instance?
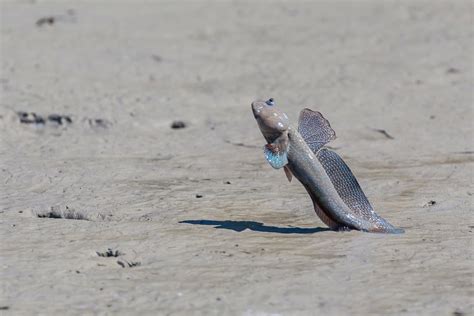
(337, 196)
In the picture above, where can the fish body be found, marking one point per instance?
(337, 197)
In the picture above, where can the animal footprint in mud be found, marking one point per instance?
(109, 253)
(59, 212)
(128, 264)
(99, 123)
(30, 118)
(59, 119)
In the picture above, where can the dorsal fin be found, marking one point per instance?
(345, 182)
(350, 191)
(315, 129)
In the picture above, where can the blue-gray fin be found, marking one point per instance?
(276, 153)
(315, 129)
(350, 191)
(276, 159)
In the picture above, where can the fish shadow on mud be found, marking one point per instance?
(239, 226)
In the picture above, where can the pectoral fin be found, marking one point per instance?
(315, 129)
(276, 153)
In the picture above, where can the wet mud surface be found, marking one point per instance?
(132, 171)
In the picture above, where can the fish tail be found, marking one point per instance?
(387, 228)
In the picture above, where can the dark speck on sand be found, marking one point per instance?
(178, 125)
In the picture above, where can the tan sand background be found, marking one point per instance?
(251, 245)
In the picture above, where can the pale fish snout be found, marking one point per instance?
(260, 105)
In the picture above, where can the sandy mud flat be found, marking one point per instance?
(107, 209)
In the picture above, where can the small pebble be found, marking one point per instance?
(430, 203)
(458, 312)
(157, 58)
(452, 70)
(178, 125)
(46, 20)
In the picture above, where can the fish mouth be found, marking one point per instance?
(257, 107)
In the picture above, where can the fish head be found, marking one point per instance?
(271, 121)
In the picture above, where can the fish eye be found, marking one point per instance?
(270, 102)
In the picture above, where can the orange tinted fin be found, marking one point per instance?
(288, 173)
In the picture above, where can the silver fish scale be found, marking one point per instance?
(346, 185)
